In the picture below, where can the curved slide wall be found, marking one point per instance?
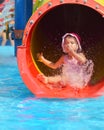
(43, 34)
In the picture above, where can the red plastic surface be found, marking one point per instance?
(29, 71)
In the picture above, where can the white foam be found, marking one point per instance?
(76, 75)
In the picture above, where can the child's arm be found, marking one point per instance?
(80, 57)
(49, 63)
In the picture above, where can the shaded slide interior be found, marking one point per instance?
(47, 36)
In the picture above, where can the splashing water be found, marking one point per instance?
(73, 74)
(77, 75)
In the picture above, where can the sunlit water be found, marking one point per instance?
(21, 110)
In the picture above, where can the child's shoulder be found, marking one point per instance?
(64, 55)
(62, 58)
(82, 54)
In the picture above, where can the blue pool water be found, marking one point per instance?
(21, 110)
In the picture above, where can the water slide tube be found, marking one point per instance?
(43, 33)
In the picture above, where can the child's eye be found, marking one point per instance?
(72, 42)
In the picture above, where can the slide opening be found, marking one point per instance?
(47, 36)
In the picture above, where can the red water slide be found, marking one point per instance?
(43, 33)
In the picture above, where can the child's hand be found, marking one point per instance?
(70, 49)
(40, 57)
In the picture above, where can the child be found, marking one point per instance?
(76, 69)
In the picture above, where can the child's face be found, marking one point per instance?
(70, 42)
